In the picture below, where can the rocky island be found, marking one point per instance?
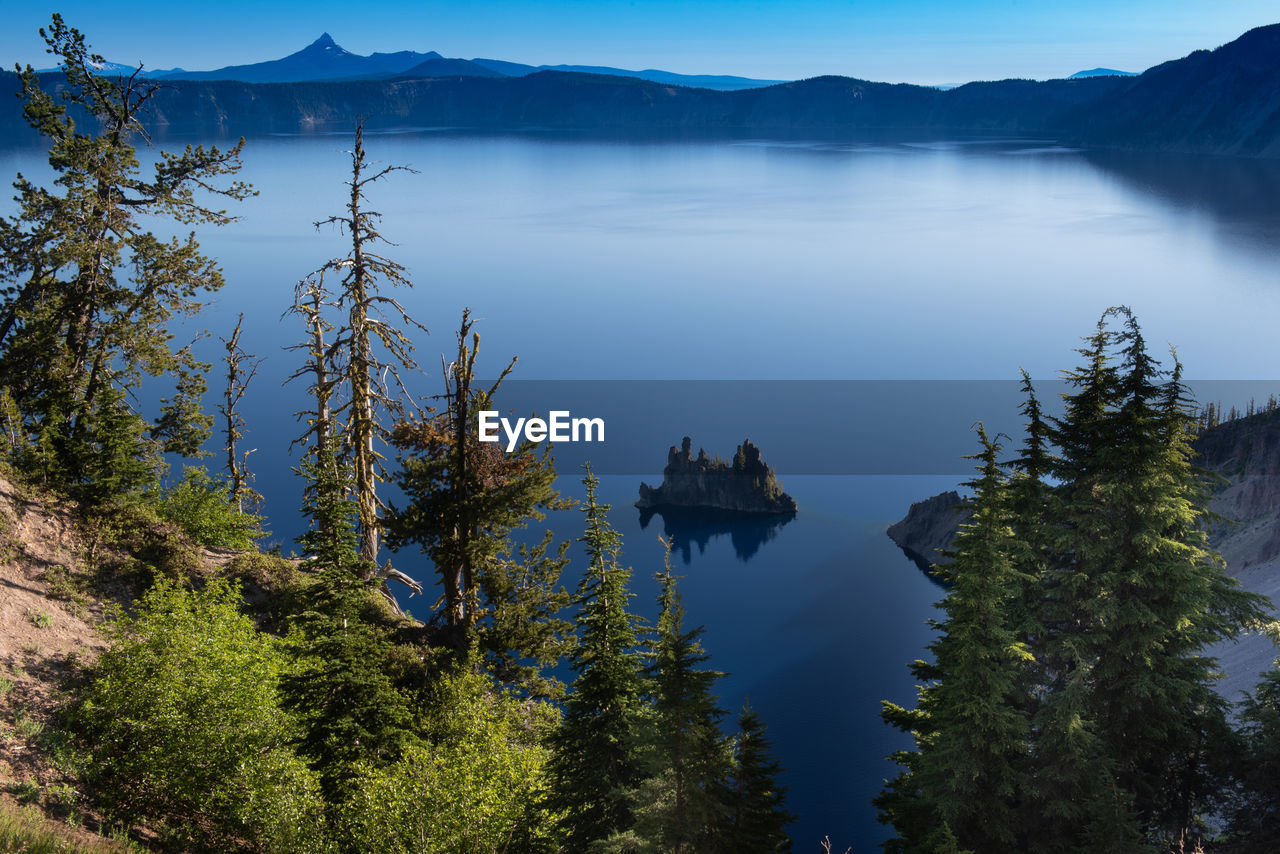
(744, 485)
(929, 527)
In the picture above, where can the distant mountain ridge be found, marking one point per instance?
(1225, 101)
(1102, 72)
(325, 59)
(721, 82)
(442, 67)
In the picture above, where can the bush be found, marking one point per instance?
(27, 791)
(183, 727)
(270, 572)
(130, 544)
(202, 506)
(480, 786)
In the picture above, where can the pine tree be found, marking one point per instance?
(78, 336)
(465, 498)
(1031, 510)
(1030, 506)
(1074, 799)
(1115, 593)
(966, 777)
(1140, 595)
(350, 711)
(685, 754)
(595, 762)
(758, 816)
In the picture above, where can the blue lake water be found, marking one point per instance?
(768, 262)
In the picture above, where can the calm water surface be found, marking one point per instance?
(757, 260)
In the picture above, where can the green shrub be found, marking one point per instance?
(183, 727)
(61, 752)
(62, 798)
(201, 505)
(270, 572)
(65, 585)
(480, 786)
(27, 792)
(25, 725)
(130, 543)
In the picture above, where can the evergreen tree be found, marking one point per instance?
(1074, 800)
(465, 498)
(758, 816)
(684, 802)
(349, 709)
(1030, 507)
(77, 334)
(594, 764)
(521, 633)
(1129, 712)
(966, 775)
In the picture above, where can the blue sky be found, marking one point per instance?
(918, 41)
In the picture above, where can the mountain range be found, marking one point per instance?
(1224, 101)
(325, 59)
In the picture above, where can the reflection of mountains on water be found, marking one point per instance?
(685, 528)
(1236, 194)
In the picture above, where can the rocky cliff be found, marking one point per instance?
(1245, 454)
(929, 527)
(743, 485)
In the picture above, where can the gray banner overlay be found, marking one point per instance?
(845, 427)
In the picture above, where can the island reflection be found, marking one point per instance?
(685, 528)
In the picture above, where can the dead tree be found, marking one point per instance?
(325, 370)
(309, 302)
(242, 367)
(372, 348)
(355, 375)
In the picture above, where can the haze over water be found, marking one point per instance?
(762, 260)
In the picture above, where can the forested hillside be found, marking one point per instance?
(164, 682)
(1221, 102)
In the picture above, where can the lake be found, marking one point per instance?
(851, 306)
